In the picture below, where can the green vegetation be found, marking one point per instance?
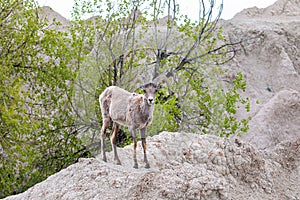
(38, 133)
(50, 79)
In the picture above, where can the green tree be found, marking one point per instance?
(38, 133)
(133, 45)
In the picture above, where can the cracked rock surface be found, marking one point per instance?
(183, 166)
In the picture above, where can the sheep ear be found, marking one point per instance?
(143, 88)
(159, 86)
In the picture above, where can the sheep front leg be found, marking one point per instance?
(143, 138)
(113, 139)
(105, 125)
(133, 134)
(134, 153)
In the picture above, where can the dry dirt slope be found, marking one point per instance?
(190, 166)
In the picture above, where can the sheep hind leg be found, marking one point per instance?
(113, 139)
(105, 125)
(134, 153)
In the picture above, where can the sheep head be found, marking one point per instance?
(150, 90)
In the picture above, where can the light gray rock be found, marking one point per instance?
(269, 58)
(278, 120)
(280, 9)
(231, 169)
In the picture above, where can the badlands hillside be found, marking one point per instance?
(271, 63)
(262, 164)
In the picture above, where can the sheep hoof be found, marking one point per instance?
(147, 166)
(118, 162)
(135, 166)
(104, 159)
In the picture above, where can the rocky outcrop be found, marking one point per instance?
(54, 19)
(281, 9)
(269, 56)
(270, 60)
(277, 121)
(183, 166)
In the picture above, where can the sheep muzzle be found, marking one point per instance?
(150, 100)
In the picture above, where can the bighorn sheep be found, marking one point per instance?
(129, 109)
